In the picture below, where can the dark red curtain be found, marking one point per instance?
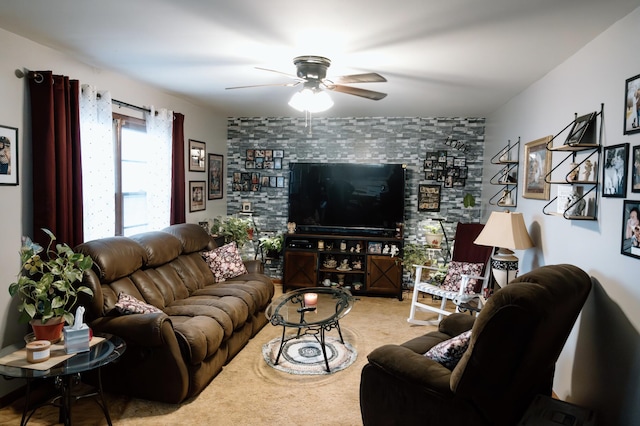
(178, 204)
(57, 168)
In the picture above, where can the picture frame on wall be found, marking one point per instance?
(197, 201)
(614, 170)
(429, 198)
(635, 169)
(8, 155)
(216, 176)
(537, 165)
(197, 156)
(632, 105)
(631, 229)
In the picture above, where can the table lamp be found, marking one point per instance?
(505, 231)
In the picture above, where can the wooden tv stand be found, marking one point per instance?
(307, 263)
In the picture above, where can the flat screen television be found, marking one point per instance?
(346, 198)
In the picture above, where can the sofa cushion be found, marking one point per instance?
(456, 269)
(449, 352)
(225, 262)
(128, 304)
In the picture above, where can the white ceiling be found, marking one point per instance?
(445, 58)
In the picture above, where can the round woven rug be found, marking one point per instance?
(304, 355)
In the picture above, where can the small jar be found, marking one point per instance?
(38, 351)
(343, 246)
(320, 244)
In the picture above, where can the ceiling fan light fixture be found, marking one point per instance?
(311, 100)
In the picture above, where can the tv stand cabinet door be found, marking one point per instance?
(300, 269)
(384, 275)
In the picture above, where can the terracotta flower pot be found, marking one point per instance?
(51, 330)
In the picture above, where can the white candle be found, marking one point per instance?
(311, 299)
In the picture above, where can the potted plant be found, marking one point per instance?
(45, 285)
(233, 229)
(272, 246)
(415, 254)
(434, 235)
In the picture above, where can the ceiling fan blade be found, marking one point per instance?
(295, 77)
(265, 85)
(370, 77)
(369, 94)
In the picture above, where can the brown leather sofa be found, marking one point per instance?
(515, 343)
(172, 355)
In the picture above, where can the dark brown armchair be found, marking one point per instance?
(515, 343)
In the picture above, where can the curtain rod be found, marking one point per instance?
(21, 74)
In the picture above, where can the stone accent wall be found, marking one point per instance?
(356, 140)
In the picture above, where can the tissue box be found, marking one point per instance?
(76, 340)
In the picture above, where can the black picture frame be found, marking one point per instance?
(614, 170)
(632, 105)
(635, 169)
(9, 153)
(630, 238)
(197, 156)
(216, 177)
(582, 130)
(197, 200)
(429, 198)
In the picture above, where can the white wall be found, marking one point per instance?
(15, 212)
(600, 363)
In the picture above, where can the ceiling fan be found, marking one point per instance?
(311, 72)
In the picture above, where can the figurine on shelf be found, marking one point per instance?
(573, 174)
(587, 170)
(386, 249)
(505, 200)
(357, 264)
(394, 250)
(358, 248)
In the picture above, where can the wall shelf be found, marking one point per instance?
(576, 174)
(507, 175)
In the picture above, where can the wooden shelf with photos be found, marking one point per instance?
(507, 176)
(576, 174)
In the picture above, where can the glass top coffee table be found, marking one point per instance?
(312, 311)
(108, 348)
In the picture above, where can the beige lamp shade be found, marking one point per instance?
(507, 232)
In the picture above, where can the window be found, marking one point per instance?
(132, 149)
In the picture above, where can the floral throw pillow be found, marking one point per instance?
(449, 352)
(225, 262)
(128, 304)
(456, 270)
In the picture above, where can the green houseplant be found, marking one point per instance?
(272, 245)
(46, 281)
(233, 229)
(434, 235)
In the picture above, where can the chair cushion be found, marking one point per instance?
(449, 352)
(128, 304)
(225, 262)
(456, 270)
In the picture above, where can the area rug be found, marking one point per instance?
(304, 355)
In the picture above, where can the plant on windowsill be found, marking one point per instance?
(45, 284)
(233, 229)
(272, 246)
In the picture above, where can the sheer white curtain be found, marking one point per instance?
(159, 131)
(98, 179)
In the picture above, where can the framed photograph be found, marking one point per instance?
(250, 155)
(197, 155)
(631, 229)
(8, 155)
(632, 105)
(264, 181)
(635, 169)
(246, 206)
(277, 162)
(582, 130)
(216, 176)
(280, 181)
(614, 170)
(375, 248)
(278, 153)
(196, 195)
(429, 198)
(537, 164)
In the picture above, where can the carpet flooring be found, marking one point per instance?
(250, 392)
